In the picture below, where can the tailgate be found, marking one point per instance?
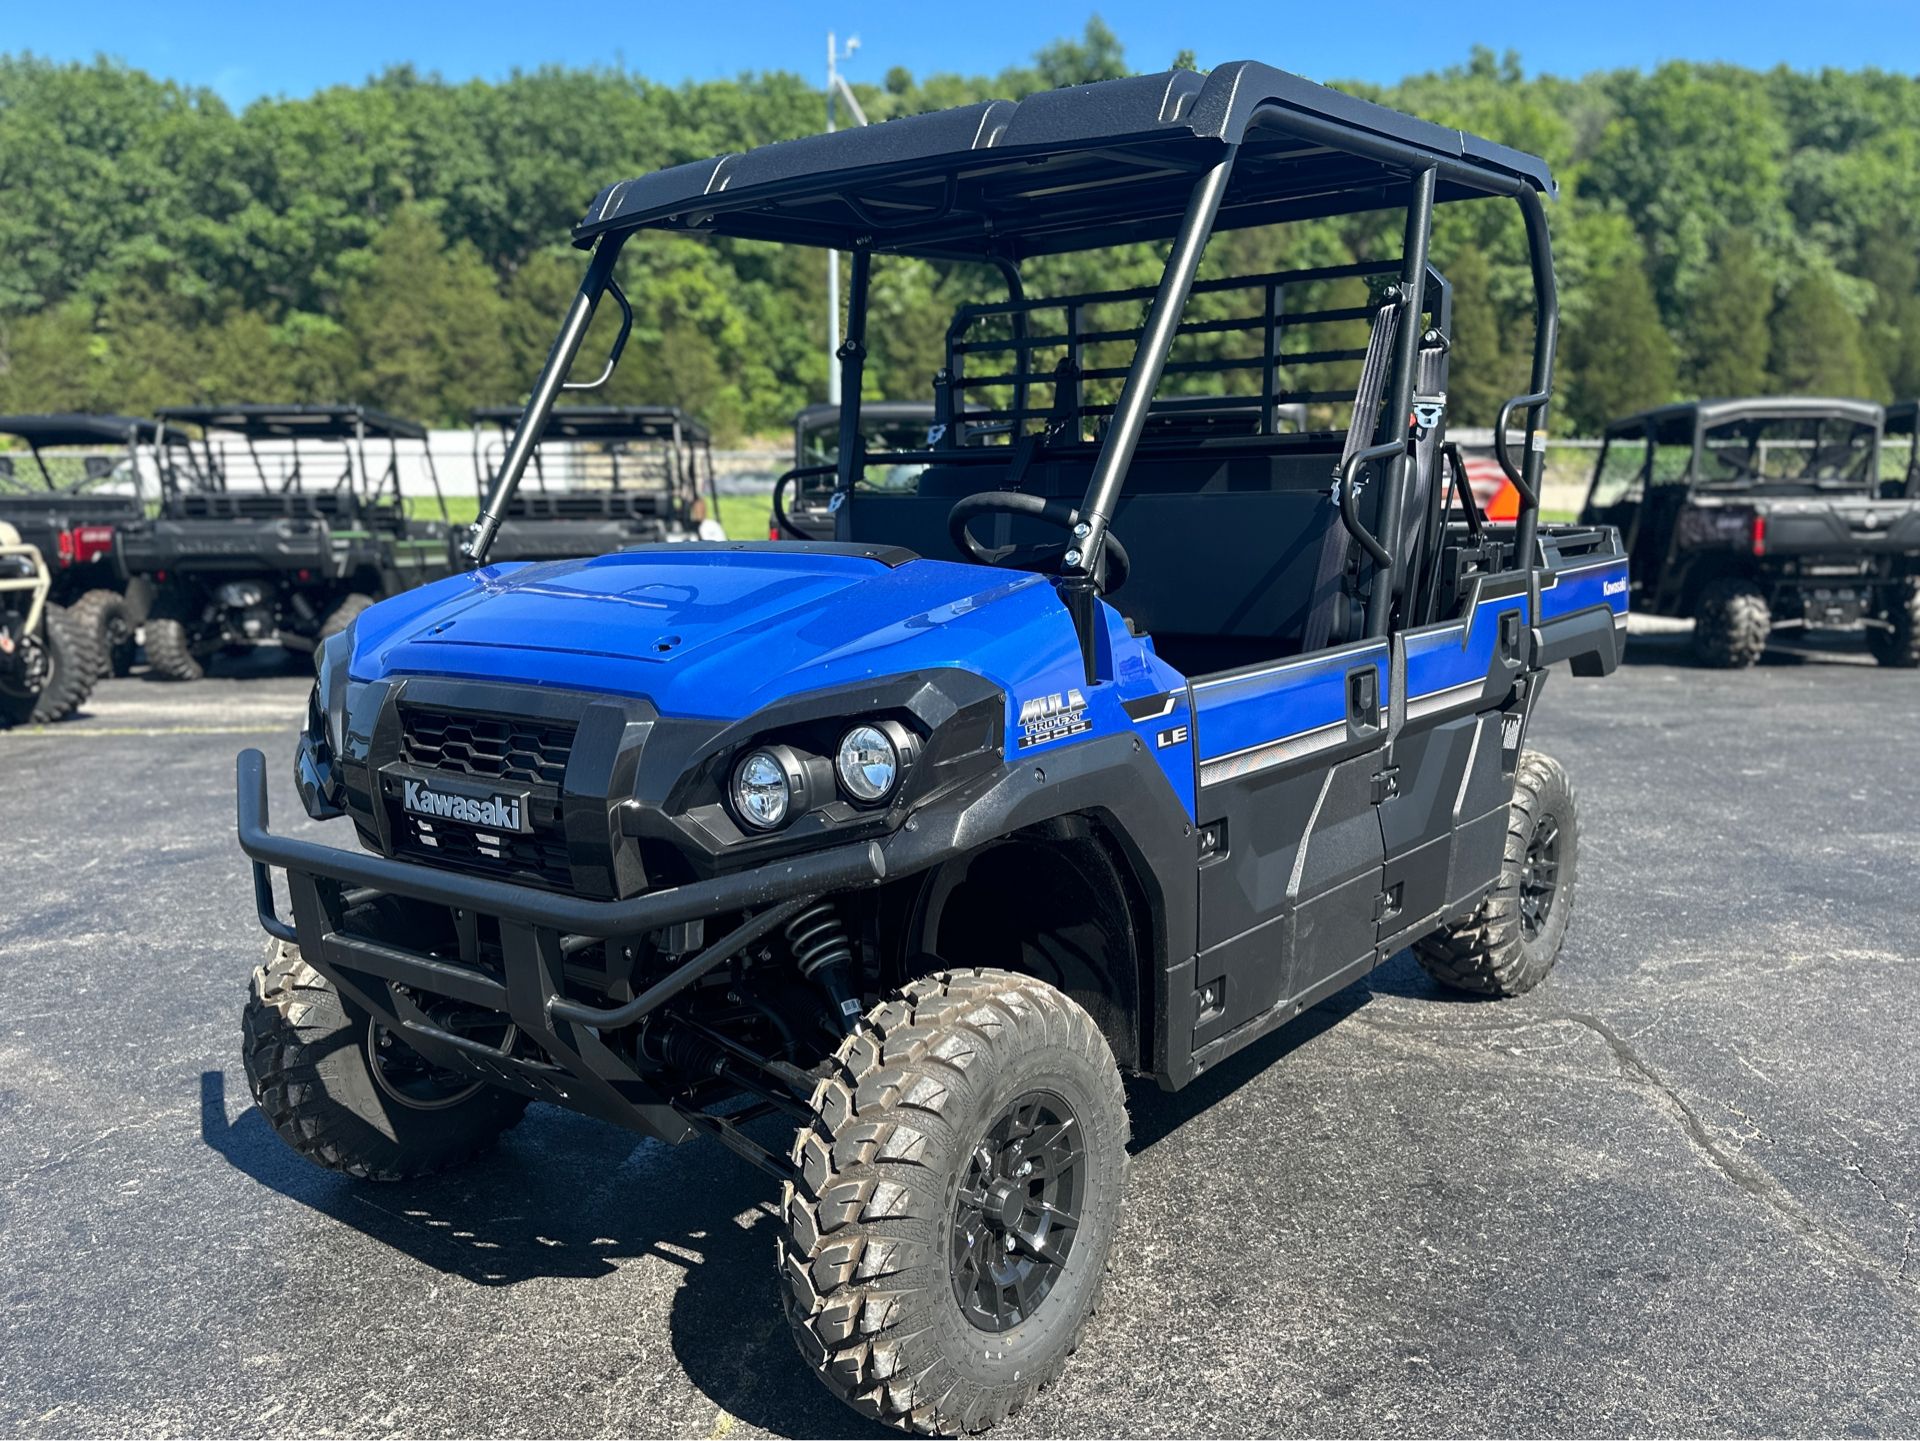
(1841, 527)
(229, 545)
(1583, 598)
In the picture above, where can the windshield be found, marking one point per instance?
(68, 470)
(1811, 453)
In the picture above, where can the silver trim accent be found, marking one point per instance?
(1271, 753)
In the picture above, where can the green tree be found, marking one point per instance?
(1727, 333)
(427, 324)
(1816, 341)
(1621, 358)
(1891, 264)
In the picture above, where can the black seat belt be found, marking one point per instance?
(1329, 595)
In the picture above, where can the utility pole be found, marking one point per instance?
(837, 88)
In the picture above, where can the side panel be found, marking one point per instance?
(1291, 850)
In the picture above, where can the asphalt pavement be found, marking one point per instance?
(1673, 1190)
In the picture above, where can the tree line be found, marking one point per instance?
(403, 242)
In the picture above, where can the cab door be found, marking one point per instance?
(1289, 760)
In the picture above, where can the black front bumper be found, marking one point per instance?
(538, 931)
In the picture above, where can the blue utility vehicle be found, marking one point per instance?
(1125, 728)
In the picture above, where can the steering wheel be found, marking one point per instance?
(1047, 558)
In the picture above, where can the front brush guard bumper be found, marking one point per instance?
(538, 930)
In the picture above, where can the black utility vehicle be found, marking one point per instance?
(1750, 516)
(276, 525)
(604, 478)
(1124, 733)
(82, 481)
(885, 425)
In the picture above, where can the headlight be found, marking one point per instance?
(869, 763)
(763, 786)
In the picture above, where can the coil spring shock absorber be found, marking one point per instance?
(823, 953)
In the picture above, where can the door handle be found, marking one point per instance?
(1363, 699)
(1510, 634)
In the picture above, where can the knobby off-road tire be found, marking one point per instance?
(107, 614)
(941, 1095)
(1507, 946)
(341, 616)
(1899, 645)
(73, 656)
(169, 651)
(1731, 624)
(307, 1057)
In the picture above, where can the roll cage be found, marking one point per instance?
(102, 435)
(1804, 428)
(619, 448)
(1170, 157)
(230, 461)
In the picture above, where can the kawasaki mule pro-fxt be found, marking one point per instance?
(1108, 746)
(277, 527)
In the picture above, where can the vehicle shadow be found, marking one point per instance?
(573, 1198)
(1156, 1114)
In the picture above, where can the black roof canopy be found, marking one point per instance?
(296, 422)
(1067, 169)
(77, 429)
(602, 422)
(879, 412)
(1765, 407)
(1903, 417)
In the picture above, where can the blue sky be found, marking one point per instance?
(264, 48)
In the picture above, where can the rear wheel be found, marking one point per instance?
(959, 1188)
(1898, 645)
(73, 663)
(342, 616)
(1731, 624)
(1509, 944)
(109, 616)
(349, 1095)
(170, 650)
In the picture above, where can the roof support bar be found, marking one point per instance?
(1393, 500)
(852, 356)
(1546, 331)
(1086, 556)
(553, 376)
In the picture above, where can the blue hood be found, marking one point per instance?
(720, 633)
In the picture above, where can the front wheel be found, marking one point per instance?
(73, 664)
(959, 1187)
(1507, 946)
(348, 1095)
(108, 615)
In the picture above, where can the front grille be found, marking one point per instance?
(496, 748)
(540, 858)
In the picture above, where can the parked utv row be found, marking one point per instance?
(213, 529)
(1119, 721)
(1754, 516)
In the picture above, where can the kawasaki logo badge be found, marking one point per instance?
(496, 812)
(1053, 717)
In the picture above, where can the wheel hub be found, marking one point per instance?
(414, 1081)
(1017, 1210)
(1540, 876)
